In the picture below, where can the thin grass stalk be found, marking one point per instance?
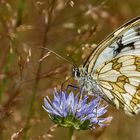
(31, 107)
(9, 56)
(5, 66)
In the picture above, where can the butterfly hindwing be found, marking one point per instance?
(119, 80)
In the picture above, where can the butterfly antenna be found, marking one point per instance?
(74, 65)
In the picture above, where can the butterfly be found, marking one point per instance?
(112, 70)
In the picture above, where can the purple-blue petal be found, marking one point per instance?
(70, 103)
(65, 104)
(49, 108)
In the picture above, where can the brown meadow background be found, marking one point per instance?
(28, 73)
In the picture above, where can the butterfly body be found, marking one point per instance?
(112, 70)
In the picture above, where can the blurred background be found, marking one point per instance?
(28, 73)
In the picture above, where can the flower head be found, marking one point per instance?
(77, 111)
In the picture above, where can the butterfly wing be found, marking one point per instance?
(125, 40)
(119, 81)
(113, 68)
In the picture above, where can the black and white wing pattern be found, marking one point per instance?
(119, 80)
(112, 70)
(125, 40)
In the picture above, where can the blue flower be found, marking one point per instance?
(77, 111)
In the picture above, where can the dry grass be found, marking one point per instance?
(28, 72)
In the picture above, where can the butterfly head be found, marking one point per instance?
(80, 75)
(86, 81)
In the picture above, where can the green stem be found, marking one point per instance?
(71, 131)
(20, 12)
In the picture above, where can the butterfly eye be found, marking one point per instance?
(76, 72)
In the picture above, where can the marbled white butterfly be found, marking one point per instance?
(112, 70)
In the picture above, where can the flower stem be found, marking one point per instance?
(71, 131)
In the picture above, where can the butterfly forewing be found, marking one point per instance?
(119, 80)
(125, 40)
